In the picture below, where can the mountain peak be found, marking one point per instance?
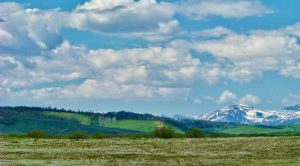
(238, 113)
(292, 108)
(238, 106)
(244, 114)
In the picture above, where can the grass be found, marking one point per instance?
(263, 130)
(136, 125)
(205, 151)
(83, 119)
(139, 125)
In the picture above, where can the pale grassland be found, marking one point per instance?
(206, 151)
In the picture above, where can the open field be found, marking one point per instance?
(205, 151)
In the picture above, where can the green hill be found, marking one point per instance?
(24, 120)
(21, 120)
(140, 125)
(263, 129)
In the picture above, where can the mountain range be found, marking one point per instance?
(243, 114)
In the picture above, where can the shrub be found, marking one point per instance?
(13, 135)
(164, 132)
(101, 136)
(38, 134)
(78, 135)
(194, 133)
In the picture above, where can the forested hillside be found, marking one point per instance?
(60, 121)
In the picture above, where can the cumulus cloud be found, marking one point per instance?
(228, 97)
(291, 99)
(198, 10)
(137, 73)
(28, 30)
(244, 57)
(98, 89)
(218, 31)
(3, 91)
(154, 20)
(146, 19)
(197, 101)
(249, 99)
(34, 54)
(103, 4)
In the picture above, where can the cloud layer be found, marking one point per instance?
(37, 63)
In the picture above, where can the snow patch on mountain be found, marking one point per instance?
(244, 114)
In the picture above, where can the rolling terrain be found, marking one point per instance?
(22, 120)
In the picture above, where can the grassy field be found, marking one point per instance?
(205, 151)
(262, 129)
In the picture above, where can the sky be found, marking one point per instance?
(164, 57)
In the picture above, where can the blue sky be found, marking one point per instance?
(185, 57)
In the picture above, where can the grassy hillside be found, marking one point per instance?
(20, 120)
(81, 118)
(140, 125)
(206, 151)
(263, 129)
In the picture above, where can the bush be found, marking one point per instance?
(164, 132)
(78, 135)
(38, 134)
(194, 133)
(101, 136)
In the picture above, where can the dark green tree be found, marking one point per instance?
(164, 132)
(195, 133)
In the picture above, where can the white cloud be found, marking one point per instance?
(244, 57)
(227, 97)
(28, 30)
(5, 36)
(154, 20)
(249, 99)
(99, 89)
(138, 73)
(218, 31)
(3, 91)
(291, 99)
(104, 4)
(146, 19)
(198, 10)
(151, 72)
(197, 101)
(292, 69)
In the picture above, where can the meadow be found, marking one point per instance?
(177, 151)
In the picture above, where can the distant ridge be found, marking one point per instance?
(293, 108)
(243, 114)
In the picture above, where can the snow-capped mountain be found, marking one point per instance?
(293, 108)
(244, 114)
